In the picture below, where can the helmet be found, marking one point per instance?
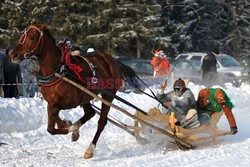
(179, 85)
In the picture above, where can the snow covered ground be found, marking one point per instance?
(23, 124)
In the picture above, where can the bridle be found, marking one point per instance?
(31, 52)
(23, 39)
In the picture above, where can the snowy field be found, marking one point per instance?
(23, 124)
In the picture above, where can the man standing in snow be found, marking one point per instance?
(12, 76)
(1, 73)
(29, 69)
(160, 64)
(209, 68)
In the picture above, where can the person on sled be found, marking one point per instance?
(182, 102)
(212, 100)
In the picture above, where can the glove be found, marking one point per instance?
(234, 130)
(164, 84)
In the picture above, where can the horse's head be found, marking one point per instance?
(30, 43)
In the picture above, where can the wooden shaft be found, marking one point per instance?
(123, 111)
(120, 125)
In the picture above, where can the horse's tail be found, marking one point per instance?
(129, 75)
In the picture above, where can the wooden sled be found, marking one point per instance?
(210, 131)
(128, 128)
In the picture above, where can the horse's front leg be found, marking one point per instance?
(89, 112)
(53, 118)
(101, 124)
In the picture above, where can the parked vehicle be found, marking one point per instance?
(229, 69)
(246, 62)
(140, 66)
(144, 71)
(123, 58)
(192, 56)
(187, 70)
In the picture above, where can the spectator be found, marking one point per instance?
(209, 68)
(29, 69)
(160, 64)
(12, 76)
(1, 73)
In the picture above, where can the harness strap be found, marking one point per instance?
(92, 68)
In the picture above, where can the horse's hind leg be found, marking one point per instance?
(89, 112)
(53, 118)
(101, 124)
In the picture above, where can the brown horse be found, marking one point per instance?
(37, 40)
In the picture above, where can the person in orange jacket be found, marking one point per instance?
(212, 100)
(160, 64)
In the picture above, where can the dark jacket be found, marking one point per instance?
(12, 72)
(209, 64)
(2, 55)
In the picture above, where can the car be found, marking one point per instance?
(187, 70)
(144, 70)
(192, 56)
(141, 67)
(229, 69)
(245, 60)
(123, 58)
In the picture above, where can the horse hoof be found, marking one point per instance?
(88, 155)
(75, 136)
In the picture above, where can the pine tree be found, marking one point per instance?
(180, 19)
(212, 27)
(135, 27)
(18, 15)
(237, 43)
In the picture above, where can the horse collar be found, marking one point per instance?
(51, 79)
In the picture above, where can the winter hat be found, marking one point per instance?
(156, 52)
(216, 50)
(203, 98)
(90, 50)
(204, 94)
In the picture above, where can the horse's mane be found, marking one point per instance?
(46, 31)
